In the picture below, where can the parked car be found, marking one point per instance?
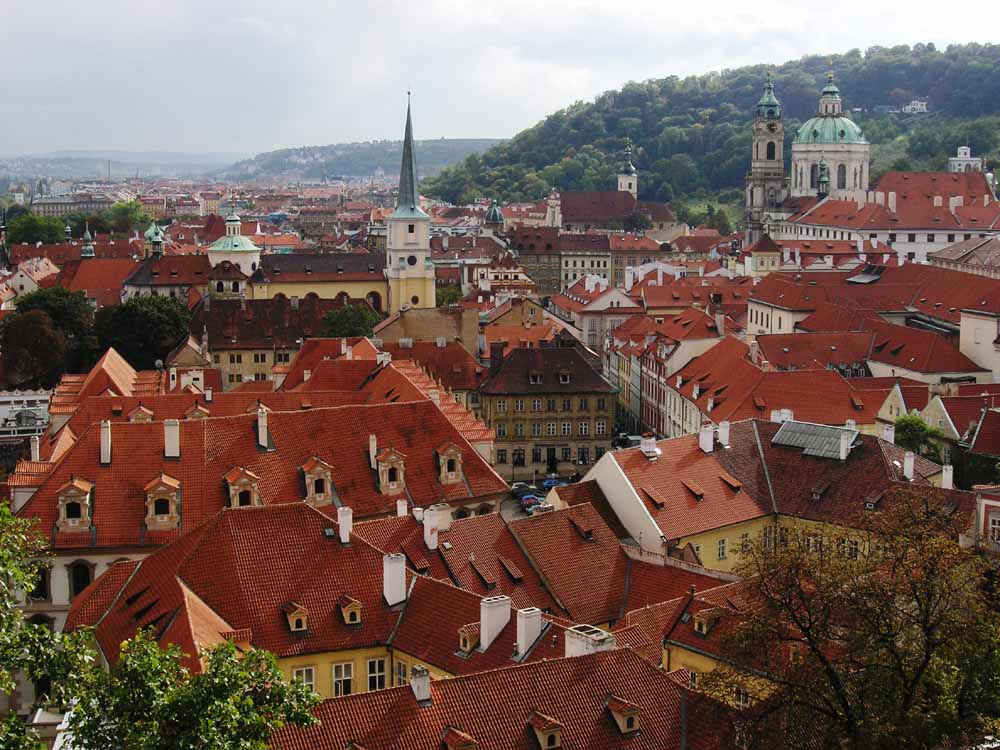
(528, 501)
(520, 489)
(540, 508)
(548, 484)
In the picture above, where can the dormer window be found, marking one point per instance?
(391, 471)
(535, 378)
(196, 412)
(74, 505)
(625, 714)
(449, 457)
(162, 502)
(350, 609)
(548, 731)
(140, 414)
(243, 487)
(318, 475)
(297, 616)
(468, 637)
(564, 377)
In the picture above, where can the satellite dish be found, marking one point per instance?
(159, 364)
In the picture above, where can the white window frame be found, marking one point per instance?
(375, 673)
(567, 428)
(302, 673)
(721, 549)
(346, 674)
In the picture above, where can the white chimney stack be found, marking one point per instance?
(647, 444)
(420, 683)
(209, 393)
(947, 477)
(845, 444)
(724, 432)
(529, 628)
(418, 514)
(850, 424)
(394, 578)
(106, 442)
(440, 515)
(171, 438)
(36, 453)
(720, 323)
(908, 466)
(430, 536)
(345, 523)
(706, 438)
(372, 449)
(401, 507)
(494, 614)
(889, 433)
(262, 427)
(586, 639)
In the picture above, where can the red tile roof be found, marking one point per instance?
(99, 278)
(171, 270)
(986, 438)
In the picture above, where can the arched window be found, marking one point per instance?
(79, 577)
(220, 286)
(236, 286)
(771, 150)
(245, 498)
(814, 176)
(841, 177)
(41, 590)
(375, 300)
(312, 295)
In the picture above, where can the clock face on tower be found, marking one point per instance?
(772, 126)
(412, 260)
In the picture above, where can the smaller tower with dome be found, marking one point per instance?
(235, 248)
(835, 140)
(765, 185)
(628, 180)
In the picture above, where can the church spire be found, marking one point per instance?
(409, 198)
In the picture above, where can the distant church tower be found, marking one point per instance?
(409, 270)
(628, 180)
(766, 180)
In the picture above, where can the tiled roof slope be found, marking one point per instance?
(513, 373)
(493, 708)
(212, 447)
(289, 267)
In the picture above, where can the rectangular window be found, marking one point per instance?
(282, 357)
(215, 358)
(598, 452)
(518, 457)
(722, 549)
(536, 429)
(911, 237)
(519, 404)
(601, 427)
(853, 548)
(551, 404)
(305, 675)
(260, 376)
(259, 358)
(519, 429)
(583, 455)
(536, 404)
(567, 428)
(930, 238)
(411, 228)
(567, 453)
(502, 430)
(376, 674)
(536, 455)
(567, 405)
(535, 378)
(550, 429)
(584, 429)
(402, 674)
(501, 404)
(583, 404)
(343, 679)
(601, 404)
(501, 456)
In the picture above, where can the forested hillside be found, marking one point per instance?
(354, 159)
(691, 135)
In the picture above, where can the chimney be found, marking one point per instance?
(938, 201)
(724, 432)
(851, 424)
(440, 515)
(209, 394)
(418, 514)
(845, 444)
(306, 374)
(889, 433)
(420, 683)
(947, 477)
(892, 201)
(442, 342)
(647, 444)
(349, 353)
(430, 536)
(372, 450)
(434, 396)
(908, 466)
(754, 351)
(262, 427)
(401, 507)
(529, 627)
(35, 448)
(105, 442)
(695, 391)
(494, 614)
(345, 522)
(787, 415)
(720, 323)
(171, 438)
(776, 415)
(679, 382)
(496, 355)
(586, 639)
(394, 578)
(706, 438)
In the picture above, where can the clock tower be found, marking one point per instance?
(409, 270)
(765, 188)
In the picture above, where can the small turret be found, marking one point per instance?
(824, 179)
(87, 251)
(628, 180)
(768, 106)
(829, 100)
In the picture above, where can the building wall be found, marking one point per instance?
(977, 334)
(763, 318)
(324, 288)
(706, 544)
(240, 365)
(881, 370)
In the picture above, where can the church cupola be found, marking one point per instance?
(768, 106)
(628, 180)
(87, 251)
(494, 217)
(829, 100)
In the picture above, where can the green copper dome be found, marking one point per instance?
(831, 88)
(494, 216)
(768, 104)
(154, 232)
(829, 129)
(233, 243)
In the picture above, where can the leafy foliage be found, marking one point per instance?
(450, 294)
(692, 135)
(34, 350)
(32, 649)
(143, 329)
(897, 645)
(914, 434)
(351, 320)
(149, 701)
(31, 228)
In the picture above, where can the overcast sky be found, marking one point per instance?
(255, 75)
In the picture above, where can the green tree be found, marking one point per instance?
(449, 294)
(148, 700)
(72, 315)
(351, 320)
(35, 351)
(894, 643)
(143, 329)
(53, 661)
(914, 434)
(31, 228)
(124, 217)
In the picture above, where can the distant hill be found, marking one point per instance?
(93, 164)
(691, 136)
(355, 159)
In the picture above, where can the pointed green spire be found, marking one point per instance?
(87, 251)
(409, 198)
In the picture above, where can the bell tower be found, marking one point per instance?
(409, 271)
(628, 180)
(765, 188)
